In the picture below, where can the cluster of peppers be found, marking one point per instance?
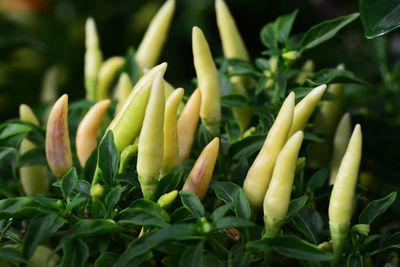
(147, 123)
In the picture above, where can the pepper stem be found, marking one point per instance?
(272, 226)
(339, 233)
(148, 186)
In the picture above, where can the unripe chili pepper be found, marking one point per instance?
(93, 59)
(40, 256)
(305, 108)
(123, 89)
(86, 135)
(187, 125)
(325, 122)
(33, 178)
(126, 155)
(200, 176)
(149, 49)
(107, 73)
(58, 150)
(276, 201)
(166, 200)
(342, 196)
(340, 142)
(171, 149)
(307, 69)
(259, 175)
(207, 75)
(128, 122)
(151, 139)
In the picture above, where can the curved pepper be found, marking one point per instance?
(342, 196)
(58, 150)
(340, 142)
(123, 89)
(259, 175)
(233, 46)
(207, 75)
(305, 108)
(127, 123)
(276, 201)
(166, 200)
(187, 125)
(33, 178)
(150, 150)
(306, 70)
(171, 149)
(200, 176)
(149, 49)
(86, 135)
(168, 89)
(93, 59)
(107, 73)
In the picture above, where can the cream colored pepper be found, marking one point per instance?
(107, 73)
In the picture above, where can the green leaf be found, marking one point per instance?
(329, 76)
(5, 151)
(308, 223)
(234, 100)
(112, 199)
(192, 256)
(76, 201)
(106, 259)
(224, 84)
(294, 206)
(108, 157)
(26, 207)
(225, 191)
(221, 211)
(325, 31)
(192, 203)
(33, 157)
(143, 217)
(131, 67)
(10, 129)
(39, 229)
(181, 215)
(312, 137)
(76, 253)
(355, 260)
(247, 146)
(242, 206)
(261, 84)
(240, 68)
(9, 254)
(318, 179)
(268, 37)
(283, 26)
(152, 240)
(169, 182)
(262, 63)
(379, 17)
(68, 182)
(376, 208)
(150, 207)
(233, 222)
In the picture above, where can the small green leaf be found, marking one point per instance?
(106, 259)
(136, 216)
(26, 207)
(182, 215)
(247, 146)
(379, 17)
(150, 207)
(261, 84)
(329, 76)
(233, 222)
(224, 84)
(242, 206)
(234, 101)
(221, 211)
(192, 203)
(318, 179)
(268, 37)
(10, 129)
(68, 182)
(108, 157)
(325, 31)
(295, 205)
(169, 182)
(33, 157)
(283, 26)
(131, 67)
(225, 191)
(377, 208)
(355, 260)
(262, 63)
(76, 253)
(192, 256)
(112, 199)
(9, 254)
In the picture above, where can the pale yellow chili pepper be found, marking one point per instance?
(151, 139)
(207, 75)
(149, 49)
(259, 175)
(123, 89)
(107, 73)
(166, 200)
(306, 70)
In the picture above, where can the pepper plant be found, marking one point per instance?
(255, 167)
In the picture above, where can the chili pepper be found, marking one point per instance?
(340, 142)
(58, 150)
(150, 150)
(166, 200)
(200, 176)
(149, 49)
(259, 175)
(207, 75)
(342, 196)
(123, 89)
(107, 73)
(126, 155)
(326, 120)
(187, 125)
(305, 108)
(40, 256)
(171, 149)
(306, 70)
(127, 123)
(33, 178)
(93, 59)
(276, 201)
(168, 89)
(86, 135)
